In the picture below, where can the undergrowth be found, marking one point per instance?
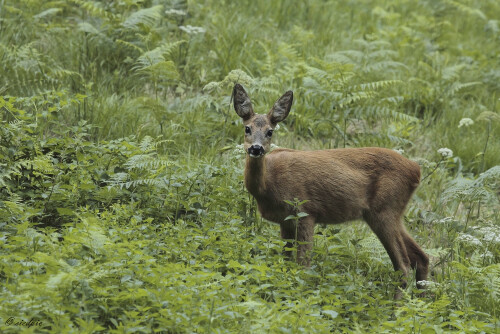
(122, 204)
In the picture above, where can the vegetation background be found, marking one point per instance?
(122, 205)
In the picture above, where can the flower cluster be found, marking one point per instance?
(192, 30)
(465, 122)
(175, 12)
(399, 150)
(446, 220)
(239, 149)
(428, 284)
(469, 239)
(490, 234)
(445, 152)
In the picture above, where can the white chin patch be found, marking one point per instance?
(254, 156)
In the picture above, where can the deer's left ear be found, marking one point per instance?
(281, 108)
(242, 103)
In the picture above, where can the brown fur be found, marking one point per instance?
(373, 184)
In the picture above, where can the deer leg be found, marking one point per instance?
(418, 259)
(388, 228)
(305, 234)
(288, 230)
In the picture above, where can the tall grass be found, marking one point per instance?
(120, 168)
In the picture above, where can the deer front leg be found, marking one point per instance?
(288, 230)
(305, 234)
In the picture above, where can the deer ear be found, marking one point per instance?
(242, 103)
(281, 108)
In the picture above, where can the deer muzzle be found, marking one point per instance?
(256, 151)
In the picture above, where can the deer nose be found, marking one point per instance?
(256, 150)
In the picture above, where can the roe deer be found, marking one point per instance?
(373, 184)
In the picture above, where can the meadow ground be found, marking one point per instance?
(122, 204)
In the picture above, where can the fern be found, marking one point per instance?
(382, 112)
(146, 16)
(235, 76)
(376, 85)
(155, 62)
(473, 12)
(96, 9)
(147, 162)
(47, 13)
(467, 190)
(130, 45)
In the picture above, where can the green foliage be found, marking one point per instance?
(122, 204)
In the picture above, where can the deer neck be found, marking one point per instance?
(255, 176)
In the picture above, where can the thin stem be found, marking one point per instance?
(432, 172)
(468, 216)
(345, 126)
(488, 128)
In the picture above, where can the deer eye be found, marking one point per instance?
(247, 130)
(269, 133)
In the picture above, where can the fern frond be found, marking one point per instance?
(354, 98)
(384, 54)
(147, 17)
(147, 162)
(452, 72)
(47, 13)
(289, 51)
(88, 28)
(467, 190)
(347, 56)
(458, 86)
(490, 178)
(130, 45)
(375, 85)
(155, 61)
(466, 9)
(152, 182)
(95, 9)
(384, 112)
(384, 65)
(235, 76)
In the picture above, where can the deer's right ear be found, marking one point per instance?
(242, 103)
(281, 108)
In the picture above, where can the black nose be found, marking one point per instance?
(256, 150)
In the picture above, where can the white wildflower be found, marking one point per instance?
(277, 127)
(192, 30)
(469, 239)
(273, 146)
(175, 12)
(487, 255)
(446, 220)
(399, 150)
(445, 152)
(489, 234)
(428, 284)
(465, 122)
(239, 149)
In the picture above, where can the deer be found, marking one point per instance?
(336, 185)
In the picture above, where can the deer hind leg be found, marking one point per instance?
(303, 234)
(388, 228)
(418, 259)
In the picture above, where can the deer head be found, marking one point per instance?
(259, 127)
